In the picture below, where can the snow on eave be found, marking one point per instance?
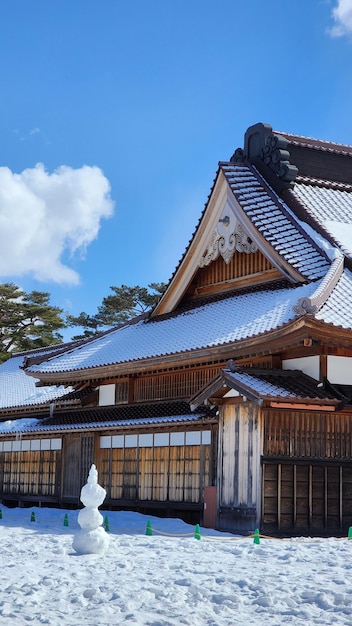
(35, 427)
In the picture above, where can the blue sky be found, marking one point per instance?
(128, 107)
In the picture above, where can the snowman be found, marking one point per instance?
(92, 538)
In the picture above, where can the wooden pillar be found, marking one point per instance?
(323, 366)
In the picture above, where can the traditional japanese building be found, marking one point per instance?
(231, 401)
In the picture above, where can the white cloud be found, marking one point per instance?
(342, 15)
(43, 216)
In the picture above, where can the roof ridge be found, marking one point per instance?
(320, 182)
(317, 144)
(311, 305)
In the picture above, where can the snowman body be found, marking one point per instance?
(92, 538)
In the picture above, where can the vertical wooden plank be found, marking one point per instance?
(117, 473)
(279, 496)
(87, 456)
(325, 497)
(1, 473)
(145, 479)
(310, 495)
(72, 468)
(294, 495)
(130, 487)
(36, 472)
(263, 495)
(195, 473)
(341, 496)
(161, 473)
(203, 478)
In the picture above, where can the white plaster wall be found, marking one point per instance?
(340, 370)
(106, 395)
(232, 394)
(308, 365)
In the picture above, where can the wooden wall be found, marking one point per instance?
(307, 472)
(45, 469)
(239, 484)
(30, 469)
(178, 385)
(78, 456)
(156, 467)
(308, 434)
(307, 498)
(175, 384)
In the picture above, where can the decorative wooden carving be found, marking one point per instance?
(229, 237)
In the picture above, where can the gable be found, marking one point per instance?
(254, 273)
(243, 216)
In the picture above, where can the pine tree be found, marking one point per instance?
(27, 320)
(120, 306)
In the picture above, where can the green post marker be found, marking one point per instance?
(65, 519)
(32, 516)
(256, 536)
(350, 532)
(197, 532)
(149, 529)
(106, 524)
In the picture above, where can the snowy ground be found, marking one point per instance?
(167, 579)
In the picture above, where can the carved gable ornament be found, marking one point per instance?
(228, 237)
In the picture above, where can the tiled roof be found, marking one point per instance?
(331, 207)
(114, 416)
(214, 324)
(318, 144)
(283, 384)
(337, 309)
(274, 221)
(19, 390)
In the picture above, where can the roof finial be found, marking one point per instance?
(262, 145)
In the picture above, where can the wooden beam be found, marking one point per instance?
(303, 407)
(252, 280)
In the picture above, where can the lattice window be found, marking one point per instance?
(174, 384)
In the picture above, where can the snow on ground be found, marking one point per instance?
(169, 579)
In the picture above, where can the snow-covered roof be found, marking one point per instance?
(34, 425)
(213, 324)
(216, 323)
(19, 390)
(118, 416)
(331, 207)
(278, 384)
(280, 232)
(259, 384)
(274, 221)
(337, 309)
